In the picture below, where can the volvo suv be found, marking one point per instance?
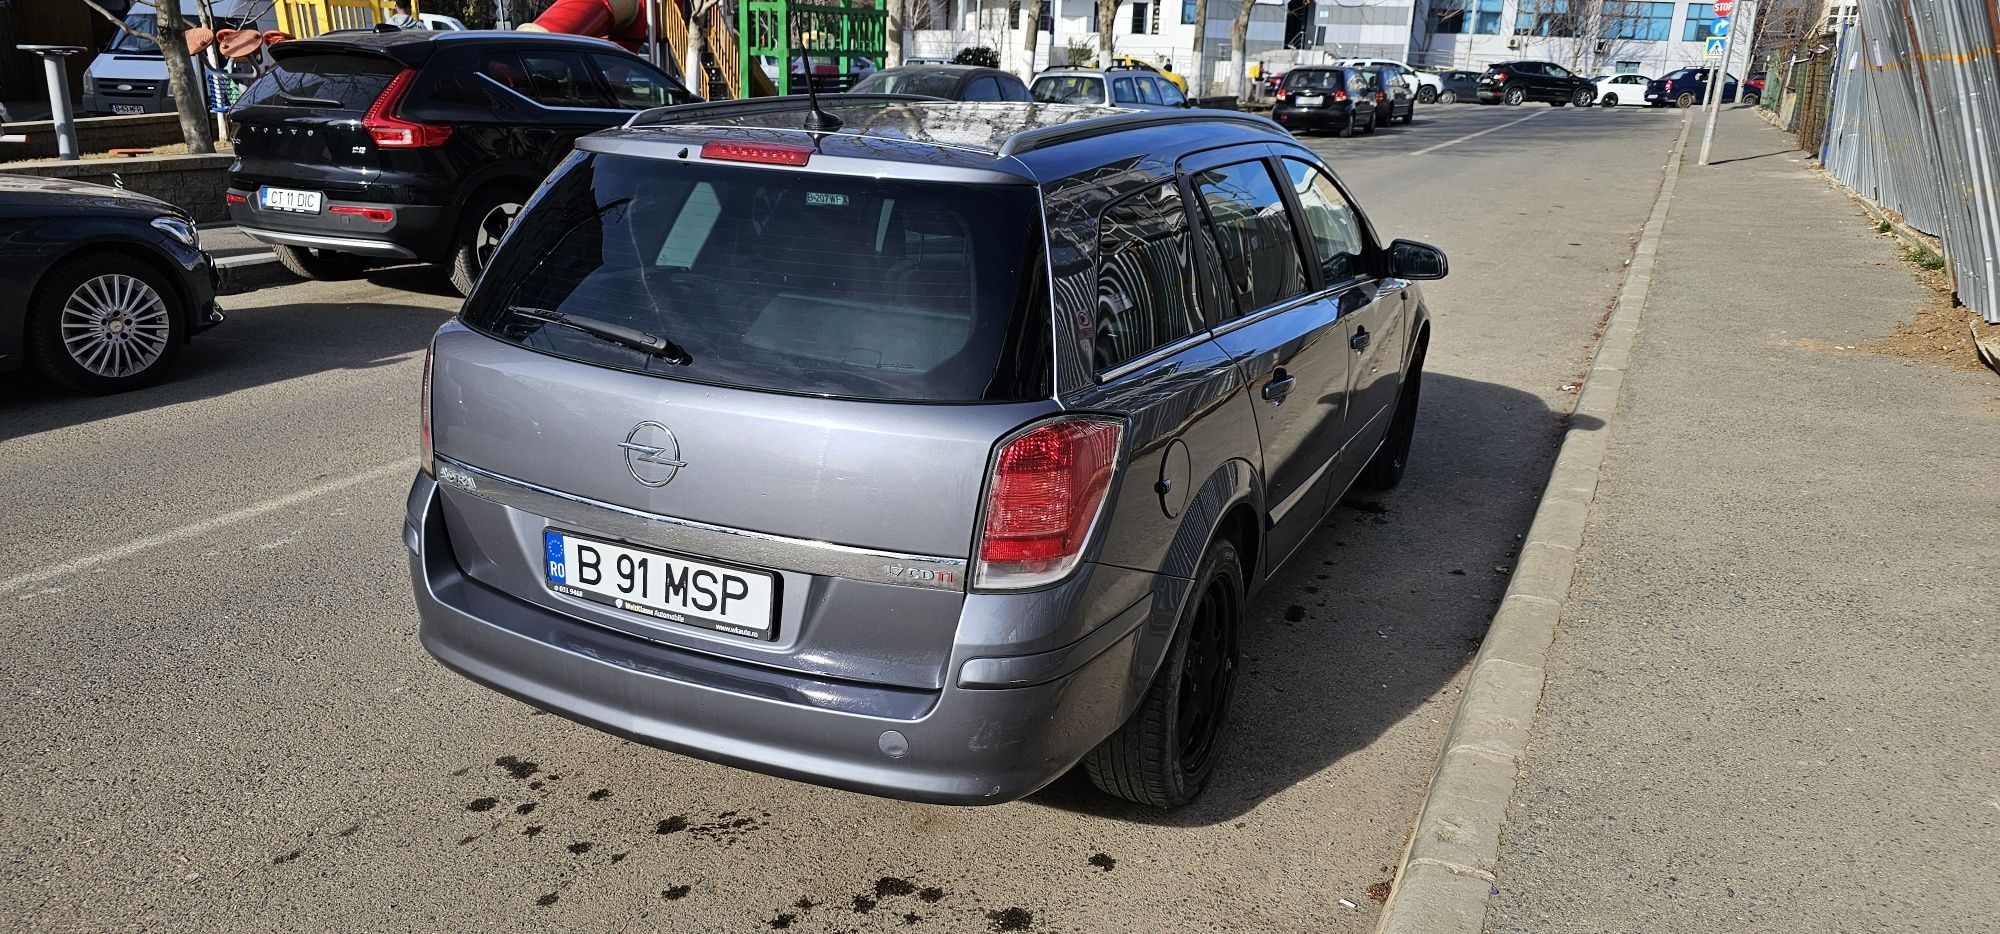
(919, 448)
(418, 145)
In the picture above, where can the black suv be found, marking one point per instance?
(418, 145)
(1513, 83)
(1325, 98)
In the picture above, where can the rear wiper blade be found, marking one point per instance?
(304, 101)
(652, 345)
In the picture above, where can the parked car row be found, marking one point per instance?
(1343, 99)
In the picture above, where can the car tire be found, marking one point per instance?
(1608, 100)
(1368, 128)
(1514, 97)
(1165, 754)
(1426, 94)
(1685, 100)
(1448, 97)
(1385, 469)
(1752, 99)
(319, 265)
(105, 323)
(482, 223)
(1347, 129)
(1582, 97)
(1410, 117)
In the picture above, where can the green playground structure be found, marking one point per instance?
(832, 36)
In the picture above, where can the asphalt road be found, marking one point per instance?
(216, 715)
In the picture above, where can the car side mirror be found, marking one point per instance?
(1409, 259)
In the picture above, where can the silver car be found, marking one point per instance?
(925, 456)
(1130, 88)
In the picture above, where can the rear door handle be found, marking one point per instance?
(1279, 387)
(1360, 339)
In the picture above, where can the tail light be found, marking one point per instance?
(424, 457)
(378, 215)
(1046, 490)
(1339, 95)
(1498, 76)
(1281, 93)
(1381, 97)
(391, 131)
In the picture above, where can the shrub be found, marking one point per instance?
(977, 55)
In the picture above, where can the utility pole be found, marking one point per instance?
(1721, 74)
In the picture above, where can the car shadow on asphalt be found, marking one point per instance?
(1354, 650)
(263, 345)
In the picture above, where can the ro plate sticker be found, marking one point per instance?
(558, 571)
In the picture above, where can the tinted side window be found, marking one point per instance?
(1149, 90)
(1124, 91)
(634, 85)
(1145, 276)
(982, 89)
(1069, 89)
(1013, 90)
(1330, 222)
(1557, 71)
(559, 78)
(1170, 95)
(1253, 233)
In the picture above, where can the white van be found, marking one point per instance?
(130, 77)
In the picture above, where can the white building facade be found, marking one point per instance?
(1280, 32)
(1587, 36)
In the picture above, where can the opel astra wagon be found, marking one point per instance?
(928, 453)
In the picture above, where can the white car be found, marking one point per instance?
(1423, 85)
(1629, 90)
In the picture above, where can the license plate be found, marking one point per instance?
(127, 109)
(663, 586)
(289, 199)
(1313, 100)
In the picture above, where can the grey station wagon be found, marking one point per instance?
(926, 455)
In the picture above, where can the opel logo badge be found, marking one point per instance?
(652, 453)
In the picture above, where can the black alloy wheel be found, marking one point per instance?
(1514, 96)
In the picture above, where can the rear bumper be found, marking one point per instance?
(418, 231)
(1317, 118)
(955, 745)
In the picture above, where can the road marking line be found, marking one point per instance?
(203, 527)
(1480, 133)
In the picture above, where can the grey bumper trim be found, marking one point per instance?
(341, 244)
(758, 549)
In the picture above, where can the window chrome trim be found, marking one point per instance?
(701, 539)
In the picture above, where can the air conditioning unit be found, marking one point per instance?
(1513, 42)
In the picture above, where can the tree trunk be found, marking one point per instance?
(1239, 41)
(1107, 30)
(189, 101)
(892, 35)
(1033, 11)
(1199, 86)
(695, 76)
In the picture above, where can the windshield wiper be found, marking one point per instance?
(304, 101)
(652, 345)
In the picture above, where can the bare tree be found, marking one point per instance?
(1107, 30)
(1557, 28)
(1199, 82)
(892, 34)
(170, 36)
(1034, 10)
(1239, 54)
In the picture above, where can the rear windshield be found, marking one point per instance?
(330, 81)
(930, 83)
(1069, 89)
(775, 279)
(1316, 80)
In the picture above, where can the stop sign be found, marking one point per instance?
(1723, 7)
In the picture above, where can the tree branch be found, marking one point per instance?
(115, 21)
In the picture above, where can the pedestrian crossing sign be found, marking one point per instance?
(1713, 51)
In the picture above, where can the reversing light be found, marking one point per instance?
(767, 153)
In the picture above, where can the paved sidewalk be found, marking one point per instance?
(1771, 702)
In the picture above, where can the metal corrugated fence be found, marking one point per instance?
(1914, 124)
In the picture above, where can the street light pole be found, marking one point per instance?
(1721, 76)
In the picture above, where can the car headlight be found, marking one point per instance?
(89, 84)
(179, 230)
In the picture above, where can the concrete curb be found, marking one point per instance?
(250, 272)
(1446, 878)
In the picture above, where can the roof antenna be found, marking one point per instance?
(817, 120)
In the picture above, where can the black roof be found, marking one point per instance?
(413, 47)
(989, 136)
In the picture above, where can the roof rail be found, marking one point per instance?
(801, 103)
(1043, 137)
